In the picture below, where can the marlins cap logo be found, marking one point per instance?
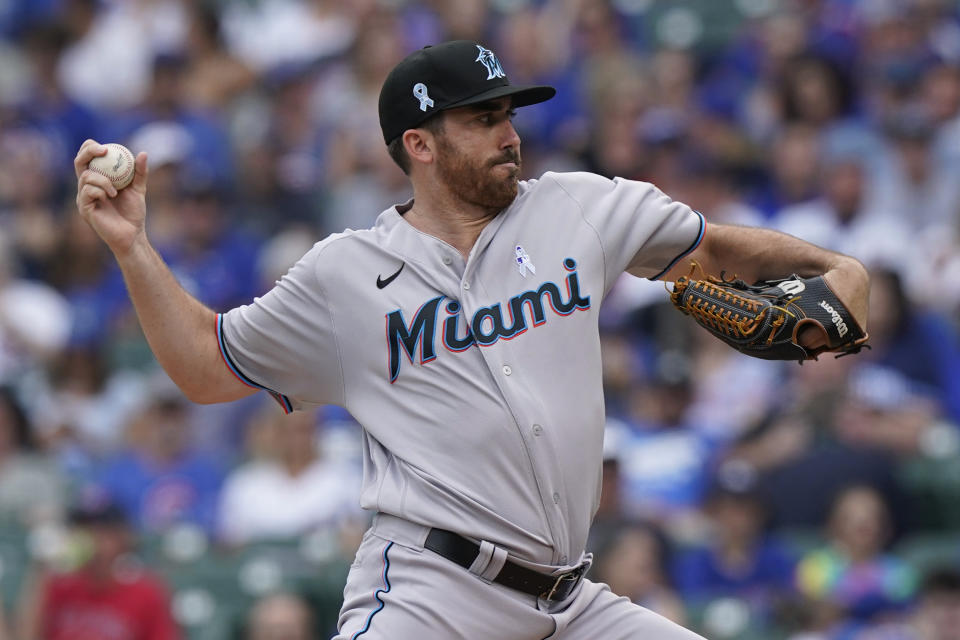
(488, 60)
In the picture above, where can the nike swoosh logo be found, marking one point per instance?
(382, 283)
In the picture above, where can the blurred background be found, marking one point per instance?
(744, 498)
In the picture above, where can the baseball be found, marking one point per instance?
(117, 164)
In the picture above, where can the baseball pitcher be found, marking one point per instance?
(461, 331)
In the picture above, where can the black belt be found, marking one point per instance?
(458, 549)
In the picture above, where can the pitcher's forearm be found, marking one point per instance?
(753, 253)
(180, 330)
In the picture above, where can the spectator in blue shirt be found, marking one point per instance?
(740, 559)
(212, 259)
(921, 346)
(158, 480)
(664, 455)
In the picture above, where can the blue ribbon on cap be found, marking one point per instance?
(420, 93)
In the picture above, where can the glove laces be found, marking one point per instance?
(712, 303)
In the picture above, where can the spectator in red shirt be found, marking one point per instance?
(110, 597)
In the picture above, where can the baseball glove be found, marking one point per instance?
(764, 319)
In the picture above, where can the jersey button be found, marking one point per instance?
(537, 429)
(447, 260)
(466, 286)
(563, 559)
(556, 498)
(507, 370)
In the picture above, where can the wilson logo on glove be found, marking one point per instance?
(835, 317)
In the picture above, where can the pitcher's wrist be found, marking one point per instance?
(135, 251)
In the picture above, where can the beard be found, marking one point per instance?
(476, 181)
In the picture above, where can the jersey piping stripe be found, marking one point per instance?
(227, 360)
(376, 594)
(696, 243)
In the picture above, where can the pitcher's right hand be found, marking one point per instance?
(118, 217)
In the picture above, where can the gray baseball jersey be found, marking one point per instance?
(477, 383)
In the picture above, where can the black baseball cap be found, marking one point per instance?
(448, 75)
(94, 507)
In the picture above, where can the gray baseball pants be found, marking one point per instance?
(398, 590)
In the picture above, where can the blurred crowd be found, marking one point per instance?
(744, 498)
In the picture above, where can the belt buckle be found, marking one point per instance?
(574, 576)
